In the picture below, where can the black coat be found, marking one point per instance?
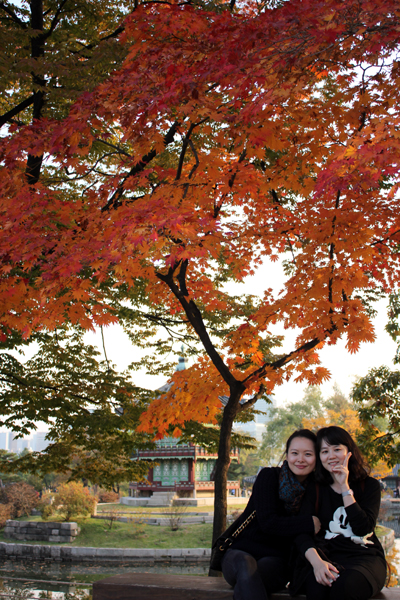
(273, 530)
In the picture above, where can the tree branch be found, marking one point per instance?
(196, 320)
(17, 109)
(12, 14)
(183, 152)
(252, 400)
(56, 19)
(41, 386)
(383, 240)
(114, 34)
(281, 361)
(113, 202)
(332, 252)
(119, 151)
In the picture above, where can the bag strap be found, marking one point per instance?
(244, 524)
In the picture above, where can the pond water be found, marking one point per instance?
(67, 577)
(58, 580)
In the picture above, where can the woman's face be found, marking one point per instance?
(301, 457)
(331, 456)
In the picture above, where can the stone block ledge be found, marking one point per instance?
(76, 554)
(47, 531)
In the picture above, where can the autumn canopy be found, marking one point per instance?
(228, 135)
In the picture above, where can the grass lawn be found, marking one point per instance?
(96, 533)
(158, 510)
(381, 531)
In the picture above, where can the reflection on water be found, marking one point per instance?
(71, 581)
(63, 577)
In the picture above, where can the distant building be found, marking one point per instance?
(12, 443)
(256, 428)
(393, 479)
(40, 442)
(4, 440)
(24, 444)
(185, 469)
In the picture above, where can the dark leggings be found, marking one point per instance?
(350, 585)
(253, 579)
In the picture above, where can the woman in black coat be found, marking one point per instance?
(257, 562)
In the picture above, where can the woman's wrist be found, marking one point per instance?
(312, 556)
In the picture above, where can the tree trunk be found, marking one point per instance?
(223, 461)
(34, 163)
(222, 466)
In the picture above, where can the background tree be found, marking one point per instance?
(314, 412)
(91, 411)
(377, 397)
(225, 153)
(71, 500)
(20, 498)
(284, 420)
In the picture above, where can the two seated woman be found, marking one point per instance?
(313, 526)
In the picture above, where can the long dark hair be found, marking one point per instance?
(301, 433)
(336, 436)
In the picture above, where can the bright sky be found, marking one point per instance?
(344, 367)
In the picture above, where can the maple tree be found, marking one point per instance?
(227, 148)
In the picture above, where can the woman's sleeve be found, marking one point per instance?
(363, 513)
(306, 540)
(269, 517)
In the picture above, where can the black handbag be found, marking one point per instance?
(225, 541)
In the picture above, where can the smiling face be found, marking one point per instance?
(331, 456)
(301, 457)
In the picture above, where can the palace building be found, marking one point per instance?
(180, 470)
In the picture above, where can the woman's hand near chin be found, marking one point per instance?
(340, 473)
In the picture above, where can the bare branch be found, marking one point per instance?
(254, 399)
(196, 320)
(183, 152)
(113, 202)
(56, 19)
(14, 17)
(17, 109)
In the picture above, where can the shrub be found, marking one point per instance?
(138, 525)
(46, 499)
(108, 496)
(72, 499)
(175, 515)
(111, 515)
(5, 513)
(47, 512)
(22, 497)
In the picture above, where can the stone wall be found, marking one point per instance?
(387, 538)
(39, 530)
(147, 556)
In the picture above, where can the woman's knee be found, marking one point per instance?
(273, 573)
(238, 564)
(351, 585)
